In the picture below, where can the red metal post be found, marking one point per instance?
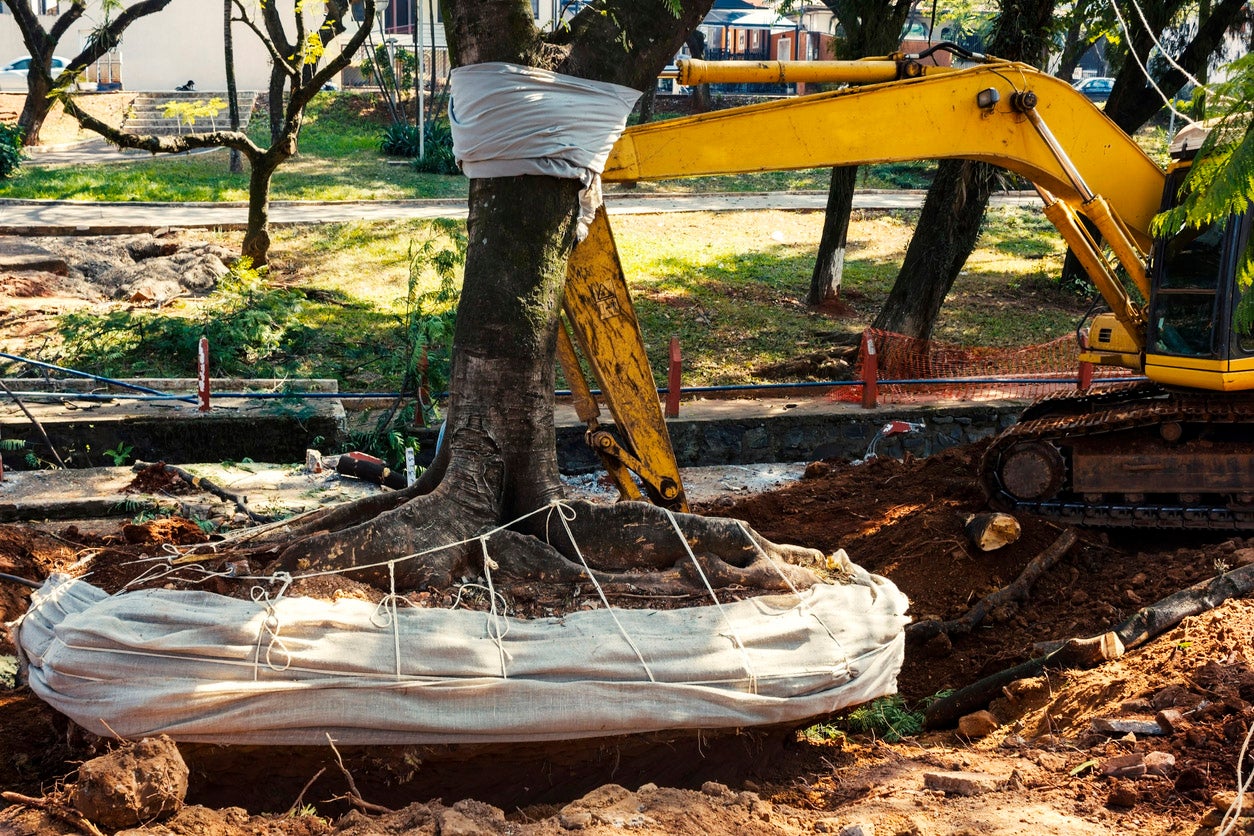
(202, 375)
(673, 380)
(870, 372)
(1085, 374)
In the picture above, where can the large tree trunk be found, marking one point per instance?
(948, 228)
(498, 461)
(829, 264)
(35, 108)
(872, 27)
(232, 89)
(256, 246)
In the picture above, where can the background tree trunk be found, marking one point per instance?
(232, 90)
(829, 264)
(948, 228)
(872, 27)
(954, 209)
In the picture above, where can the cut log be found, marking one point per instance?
(988, 532)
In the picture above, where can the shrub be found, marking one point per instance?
(10, 150)
(439, 158)
(400, 140)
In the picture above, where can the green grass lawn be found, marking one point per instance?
(731, 286)
(339, 160)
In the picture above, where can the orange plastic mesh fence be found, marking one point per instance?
(1027, 372)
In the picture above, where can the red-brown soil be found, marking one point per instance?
(1043, 764)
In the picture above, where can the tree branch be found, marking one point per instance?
(162, 144)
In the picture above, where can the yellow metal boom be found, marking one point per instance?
(1004, 113)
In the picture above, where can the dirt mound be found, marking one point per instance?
(904, 520)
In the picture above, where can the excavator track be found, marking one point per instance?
(1132, 455)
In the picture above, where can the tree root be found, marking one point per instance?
(1147, 623)
(1015, 591)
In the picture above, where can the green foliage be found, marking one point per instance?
(120, 454)
(245, 321)
(428, 317)
(1221, 179)
(400, 140)
(439, 157)
(10, 150)
(887, 718)
(403, 60)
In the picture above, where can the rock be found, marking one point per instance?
(1123, 794)
(574, 819)
(715, 789)
(1160, 763)
(1171, 720)
(979, 724)
(1119, 727)
(140, 782)
(962, 783)
(816, 470)
(857, 830)
(456, 823)
(1123, 766)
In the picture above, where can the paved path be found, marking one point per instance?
(67, 217)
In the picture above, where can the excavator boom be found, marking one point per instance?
(1177, 325)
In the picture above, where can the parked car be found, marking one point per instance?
(13, 74)
(1095, 89)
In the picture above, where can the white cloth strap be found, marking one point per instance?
(510, 120)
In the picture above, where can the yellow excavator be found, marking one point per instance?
(1174, 451)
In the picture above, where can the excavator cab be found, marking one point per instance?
(1200, 331)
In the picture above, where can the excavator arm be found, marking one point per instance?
(1004, 113)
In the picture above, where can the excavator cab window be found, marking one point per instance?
(1186, 300)
(1196, 289)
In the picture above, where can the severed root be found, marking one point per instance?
(1145, 624)
(1016, 591)
(56, 808)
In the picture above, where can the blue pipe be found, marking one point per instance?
(135, 387)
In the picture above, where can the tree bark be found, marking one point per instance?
(232, 90)
(256, 246)
(829, 264)
(949, 225)
(1133, 101)
(701, 102)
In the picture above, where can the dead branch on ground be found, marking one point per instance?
(1017, 590)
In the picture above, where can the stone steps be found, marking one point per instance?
(147, 112)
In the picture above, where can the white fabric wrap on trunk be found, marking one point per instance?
(510, 120)
(204, 667)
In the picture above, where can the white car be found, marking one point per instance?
(13, 74)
